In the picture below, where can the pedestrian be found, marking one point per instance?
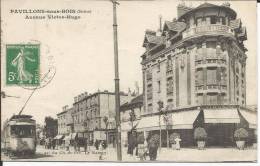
(153, 145)
(101, 150)
(86, 145)
(142, 150)
(131, 144)
(177, 141)
(75, 145)
(96, 144)
(67, 144)
(53, 143)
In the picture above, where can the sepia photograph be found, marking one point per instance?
(129, 81)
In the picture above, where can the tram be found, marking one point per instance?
(19, 135)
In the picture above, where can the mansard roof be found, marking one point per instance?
(175, 26)
(152, 38)
(235, 24)
(135, 102)
(206, 5)
(209, 5)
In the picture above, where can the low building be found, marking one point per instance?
(130, 114)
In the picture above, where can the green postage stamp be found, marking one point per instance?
(22, 64)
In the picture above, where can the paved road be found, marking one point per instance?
(183, 155)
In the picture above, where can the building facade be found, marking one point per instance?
(62, 121)
(130, 114)
(89, 114)
(196, 67)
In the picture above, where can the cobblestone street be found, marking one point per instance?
(167, 155)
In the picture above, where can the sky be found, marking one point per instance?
(82, 50)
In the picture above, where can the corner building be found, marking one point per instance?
(196, 66)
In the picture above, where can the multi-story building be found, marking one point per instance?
(196, 66)
(91, 110)
(65, 124)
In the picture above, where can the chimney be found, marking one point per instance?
(129, 92)
(75, 99)
(82, 96)
(86, 94)
(159, 31)
(226, 4)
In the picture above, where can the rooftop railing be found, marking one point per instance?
(208, 29)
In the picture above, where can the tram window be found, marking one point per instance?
(22, 131)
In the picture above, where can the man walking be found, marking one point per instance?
(86, 145)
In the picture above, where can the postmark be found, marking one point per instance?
(23, 64)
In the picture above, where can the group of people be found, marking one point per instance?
(50, 143)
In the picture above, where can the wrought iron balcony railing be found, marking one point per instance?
(208, 29)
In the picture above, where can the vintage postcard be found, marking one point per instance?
(129, 81)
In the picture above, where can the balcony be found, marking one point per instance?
(213, 29)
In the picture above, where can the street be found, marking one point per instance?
(167, 155)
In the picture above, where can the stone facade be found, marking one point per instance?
(194, 75)
(197, 59)
(89, 111)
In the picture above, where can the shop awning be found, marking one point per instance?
(73, 136)
(127, 126)
(251, 118)
(221, 116)
(184, 119)
(59, 137)
(176, 120)
(148, 123)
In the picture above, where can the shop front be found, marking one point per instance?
(181, 122)
(220, 125)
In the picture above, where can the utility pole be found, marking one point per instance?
(117, 97)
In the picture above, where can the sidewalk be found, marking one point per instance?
(165, 155)
(195, 155)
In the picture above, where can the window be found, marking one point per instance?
(158, 66)
(211, 76)
(207, 20)
(170, 104)
(199, 21)
(169, 63)
(237, 81)
(150, 107)
(212, 98)
(199, 77)
(213, 20)
(169, 85)
(149, 91)
(200, 98)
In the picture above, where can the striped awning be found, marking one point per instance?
(251, 118)
(221, 115)
(176, 120)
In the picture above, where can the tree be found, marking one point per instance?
(50, 127)
(166, 119)
(105, 119)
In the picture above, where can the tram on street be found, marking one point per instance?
(19, 136)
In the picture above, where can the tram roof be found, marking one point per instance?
(20, 116)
